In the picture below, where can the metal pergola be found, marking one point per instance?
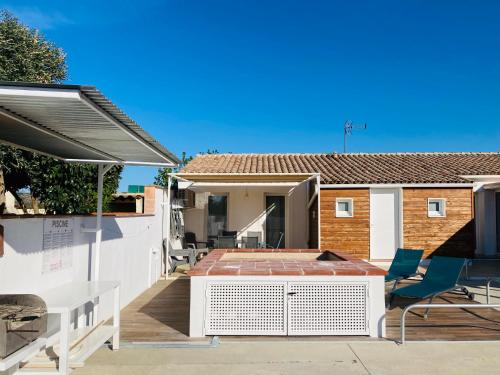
(77, 124)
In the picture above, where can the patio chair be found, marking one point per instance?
(441, 277)
(279, 236)
(404, 265)
(226, 242)
(229, 233)
(191, 242)
(249, 242)
(178, 257)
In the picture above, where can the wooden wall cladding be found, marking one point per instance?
(349, 234)
(452, 235)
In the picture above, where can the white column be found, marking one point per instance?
(197, 307)
(169, 207)
(376, 306)
(98, 233)
(64, 343)
(116, 318)
(318, 182)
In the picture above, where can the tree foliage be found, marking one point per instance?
(25, 55)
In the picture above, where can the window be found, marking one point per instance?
(217, 215)
(344, 207)
(436, 207)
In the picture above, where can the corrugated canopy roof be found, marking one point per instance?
(74, 123)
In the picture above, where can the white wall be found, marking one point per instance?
(130, 253)
(246, 212)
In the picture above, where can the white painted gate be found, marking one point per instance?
(384, 223)
(286, 308)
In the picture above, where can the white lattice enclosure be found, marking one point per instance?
(328, 308)
(292, 305)
(245, 308)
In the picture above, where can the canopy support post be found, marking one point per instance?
(167, 239)
(101, 171)
(318, 184)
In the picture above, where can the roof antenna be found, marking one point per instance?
(348, 128)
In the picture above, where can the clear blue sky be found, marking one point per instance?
(283, 76)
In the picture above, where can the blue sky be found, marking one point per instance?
(284, 76)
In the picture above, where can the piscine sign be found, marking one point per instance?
(57, 244)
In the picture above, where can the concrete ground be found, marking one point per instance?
(292, 358)
(309, 357)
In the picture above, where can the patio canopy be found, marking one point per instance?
(76, 124)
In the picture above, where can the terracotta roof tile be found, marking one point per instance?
(355, 168)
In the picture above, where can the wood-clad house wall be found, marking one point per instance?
(349, 234)
(452, 235)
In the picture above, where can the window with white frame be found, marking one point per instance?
(344, 207)
(436, 207)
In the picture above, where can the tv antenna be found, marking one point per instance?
(348, 128)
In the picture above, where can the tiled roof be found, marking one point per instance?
(355, 168)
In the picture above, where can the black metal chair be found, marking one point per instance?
(249, 242)
(191, 242)
(275, 242)
(226, 242)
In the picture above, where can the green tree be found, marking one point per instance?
(25, 55)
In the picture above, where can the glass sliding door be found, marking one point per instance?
(275, 221)
(217, 216)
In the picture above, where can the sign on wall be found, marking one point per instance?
(57, 244)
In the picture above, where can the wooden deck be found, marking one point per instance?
(161, 314)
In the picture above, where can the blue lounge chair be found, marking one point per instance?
(404, 265)
(441, 277)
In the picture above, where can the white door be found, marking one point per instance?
(384, 223)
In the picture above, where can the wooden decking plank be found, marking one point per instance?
(162, 314)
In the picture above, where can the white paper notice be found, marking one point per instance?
(57, 244)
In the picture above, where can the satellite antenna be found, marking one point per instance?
(348, 128)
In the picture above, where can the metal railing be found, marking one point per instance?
(442, 306)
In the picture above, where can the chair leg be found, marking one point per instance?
(391, 299)
(426, 313)
(394, 286)
(389, 303)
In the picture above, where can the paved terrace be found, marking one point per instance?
(162, 314)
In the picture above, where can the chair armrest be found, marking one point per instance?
(180, 252)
